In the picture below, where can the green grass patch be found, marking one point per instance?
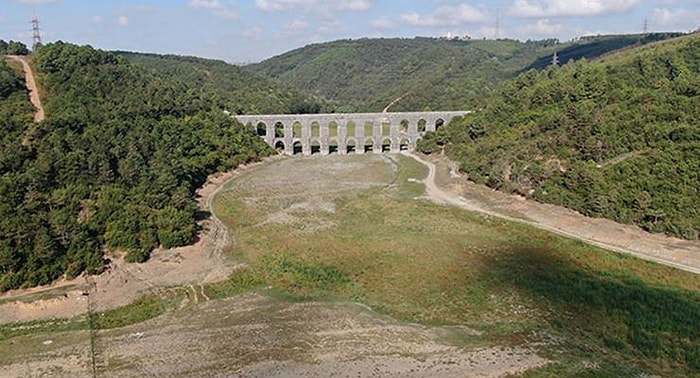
(243, 280)
(144, 308)
(439, 265)
(12, 330)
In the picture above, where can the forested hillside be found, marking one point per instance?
(237, 89)
(424, 73)
(618, 138)
(13, 48)
(114, 165)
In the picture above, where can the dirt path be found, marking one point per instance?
(31, 86)
(254, 335)
(123, 282)
(678, 253)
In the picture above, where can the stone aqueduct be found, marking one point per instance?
(346, 132)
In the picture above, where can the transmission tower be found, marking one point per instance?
(35, 33)
(645, 26)
(555, 59)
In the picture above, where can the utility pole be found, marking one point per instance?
(35, 33)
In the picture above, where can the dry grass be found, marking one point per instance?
(433, 264)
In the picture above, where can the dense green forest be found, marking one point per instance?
(237, 89)
(13, 48)
(114, 165)
(424, 73)
(617, 138)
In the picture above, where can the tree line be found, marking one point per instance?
(13, 48)
(617, 138)
(114, 166)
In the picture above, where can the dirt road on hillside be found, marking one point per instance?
(31, 86)
(445, 186)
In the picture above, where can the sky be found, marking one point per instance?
(247, 31)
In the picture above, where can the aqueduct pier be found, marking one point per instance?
(346, 132)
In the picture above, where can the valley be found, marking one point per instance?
(146, 232)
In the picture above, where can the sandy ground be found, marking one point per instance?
(122, 283)
(31, 86)
(444, 185)
(257, 336)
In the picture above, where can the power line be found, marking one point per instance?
(36, 34)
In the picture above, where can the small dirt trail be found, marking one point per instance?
(678, 253)
(188, 267)
(31, 86)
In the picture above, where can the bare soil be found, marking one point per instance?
(249, 335)
(122, 283)
(259, 336)
(31, 86)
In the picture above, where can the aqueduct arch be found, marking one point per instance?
(326, 133)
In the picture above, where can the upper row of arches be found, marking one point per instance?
(351, 128)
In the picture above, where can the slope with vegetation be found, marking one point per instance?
(13, 48)
(114, 165)
(618, 138)
(424, 73)
(235, 88)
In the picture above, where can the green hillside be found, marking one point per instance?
(237, 89)
(424, 73)
(114, 165)
(596, 46)
(618, 138)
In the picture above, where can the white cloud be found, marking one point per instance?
(216, 8)
(679, 19)
(281, 5)
(96, 20)
(123, 21)
(542, 27)
(355, 5)
(447, 15)
(568, 8)
(665, 16)
(212, 4)
(284, 5)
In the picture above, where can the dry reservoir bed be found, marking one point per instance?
(257, 335)
(335, 261)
